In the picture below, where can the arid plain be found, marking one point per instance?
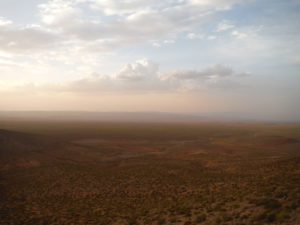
(180, 173)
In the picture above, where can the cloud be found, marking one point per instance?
(117, 7)
(216, 76)
(157, 45)
(4, 22)
(143, 76)
(120, 7)
(121, 30)
(224, 25)
(59, 13)
(211, 37)
(211, 2)
(193, 36)
(34, 37)
(140, 76)
(239, 35)
(106, 24)
(215, 71)
(170, 41)
(140, 70)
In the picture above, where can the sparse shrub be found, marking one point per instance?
(245, 216)
(132, 222)
(268, 203)
(271, 217)
(84, 193)
(184, 211)
(219, 220)
(268, 217)
(161, 221)
(236, 206)
(173, 220)
(261, 216)
(282, 216)
(200, 218)
(280, 194)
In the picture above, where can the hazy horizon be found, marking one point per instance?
(137, 116)
(240, 58)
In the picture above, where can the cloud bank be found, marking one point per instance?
(145, 76)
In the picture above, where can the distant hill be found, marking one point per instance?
(99, 116)
(134, 116)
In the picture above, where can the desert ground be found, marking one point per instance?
(122, 173)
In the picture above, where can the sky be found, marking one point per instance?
(182, 56)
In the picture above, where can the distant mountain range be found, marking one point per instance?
(128, 116)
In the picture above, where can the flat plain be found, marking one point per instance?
(101, 173)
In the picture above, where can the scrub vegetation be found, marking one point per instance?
(149, 173)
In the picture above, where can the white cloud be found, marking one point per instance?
(119, 23)
(219, 4)
(143, 76)
(210, 38)
(121, 7)
(28, 38)
(59, 13)
(117, 7)
(137, 26)
(239, 35)
(140, 70)
(224, 25)
(4, 22)
(193, 36)
(169, 41)
(157, 45)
